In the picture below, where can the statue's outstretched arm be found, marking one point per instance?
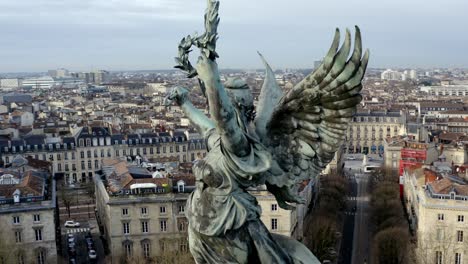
(197, 118)
(221, 109)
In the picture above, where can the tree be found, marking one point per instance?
(442, 239)
(322, 237)
(67, 201)
(391, 246)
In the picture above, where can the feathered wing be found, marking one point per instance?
(310, 121)
(270, 96)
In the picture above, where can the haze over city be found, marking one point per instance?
(143, 34)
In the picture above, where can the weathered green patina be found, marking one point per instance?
(293, 137)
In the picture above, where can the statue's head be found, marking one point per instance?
(241, 97)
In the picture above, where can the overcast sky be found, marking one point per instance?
(36, 35)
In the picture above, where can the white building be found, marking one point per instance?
(437, 208)
(13, 83)
(446, 90)
(391, 75)
(45, 82)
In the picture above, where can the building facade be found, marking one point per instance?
(438, 212)
(77, 158)
(28, 218)
(368, 130)
(141, 216)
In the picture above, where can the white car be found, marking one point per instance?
(92, 254)
(72, 223)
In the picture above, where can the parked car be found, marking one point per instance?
(72, 261)
(71, 240)
(92, 254)
(71, 245)
(71, 223)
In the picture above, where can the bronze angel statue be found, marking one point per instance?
(293, 136)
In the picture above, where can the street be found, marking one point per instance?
(361, 219)
(356, 234)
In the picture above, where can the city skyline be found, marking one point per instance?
(143, 35)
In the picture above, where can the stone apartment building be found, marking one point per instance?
(141, 214)
(76, 158)
(285, 222)
(27, 214)
(368, 130)
(437, 207)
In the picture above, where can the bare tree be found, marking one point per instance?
(390, 246)
(442, 239)
(67, 201)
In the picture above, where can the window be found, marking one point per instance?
(274, 224)
(125, 211)
(144, 227)
(89, 164)
(83, 167)
(38, 233)
(183, 245)
(37, 218)
(182, 224)
(21, 259)
(438, 256)
(144, 211)
(181, 209)
(128, 249)
(40, 257)
(439, 234)
(461, 218)
(163, 224)
(162, 245)
(274, 207)
(162, 209)
(146, 249)
(88, 153)
(126, 228)
(440, 217)
(459, 236)
(16, 220)
(18, 236)
(458, 258)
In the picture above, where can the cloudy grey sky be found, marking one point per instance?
(36, 35)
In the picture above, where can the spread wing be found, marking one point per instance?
(309, 123)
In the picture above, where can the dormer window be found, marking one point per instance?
(81, 142)
(180, 186)
(57, 145)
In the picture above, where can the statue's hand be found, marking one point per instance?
(207, 69)
(178, 94)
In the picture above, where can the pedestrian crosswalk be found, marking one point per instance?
(353, 198)
(77, 230)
